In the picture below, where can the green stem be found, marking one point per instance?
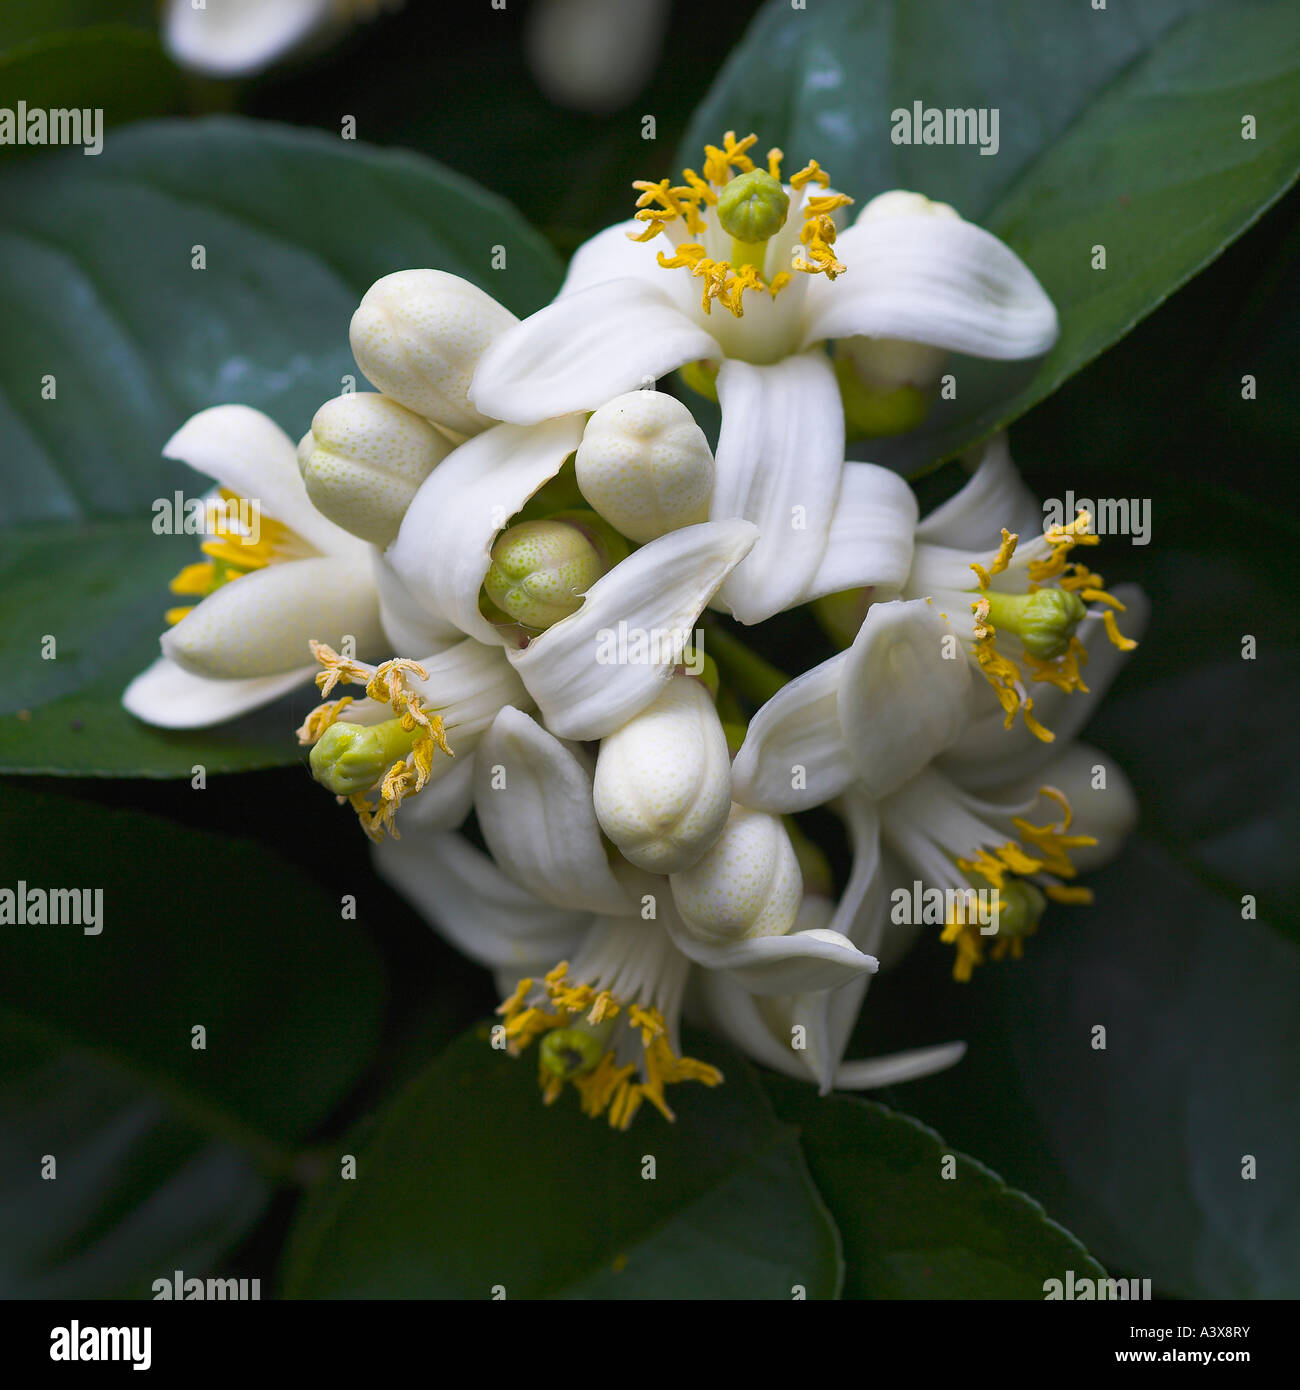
(758, 680)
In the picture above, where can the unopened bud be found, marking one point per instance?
(541, 570)
(747, 885)
(663, 781)
(364, 459)
(419, 334)
(645, 465)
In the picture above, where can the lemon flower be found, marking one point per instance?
(755, 280)
(255, 601)
(602, 951)
(237, 38)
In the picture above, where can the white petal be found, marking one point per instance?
(870, 541)
(995, 496)
(534, 805)
(932, 280)
(594, 670)
(251, 456)
(794, 964)
(447, 798)
(261, 623)
(780, 455)
(898, 1067)
(902, 700)
(468, 685)
(169, 697)
(444, 547)
(613, 255)
(235, 38)
(733, 1011)
(793, 757)
(584, 350)
(480, 910)
(991, 755)
(407, 625)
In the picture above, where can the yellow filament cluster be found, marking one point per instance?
(1049, 862)
(663, 203)
(607, 1089)
(386, 684)
(230, 555)
(1064, 672)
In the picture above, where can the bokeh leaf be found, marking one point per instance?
(468, 1182)
(165, 1152)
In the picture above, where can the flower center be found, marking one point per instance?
(582, 1032)
(1023, 880)
(726, 227)
(232, 551)
(393, 758)
(1044, 618)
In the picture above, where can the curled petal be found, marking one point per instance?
(169, 697)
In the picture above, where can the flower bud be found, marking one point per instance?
(419, 334)
(747, 885)
(886, 384)
(364, 459)
(663, 781)
(541, 570)
(753, 206)
(645, 465)
(349, 759)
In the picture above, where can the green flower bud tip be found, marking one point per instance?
(570, 1052)
(1020, 906)
(753, 206)
(540, 570)
(351, 758)
(1044, 620)
(871, 413)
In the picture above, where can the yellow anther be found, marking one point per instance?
(585, 1019)
(812, 172)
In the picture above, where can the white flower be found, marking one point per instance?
(774, 274)
(259, 599)
(584, 689)
(237, 38)
(592, 55)
(614, 953)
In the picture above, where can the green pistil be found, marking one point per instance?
(753, 208)
(574, 1051)
(1045, 620)
(1020, 906)
(352, 758)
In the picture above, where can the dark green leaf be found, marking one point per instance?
(913, 1225)
(121, 74)
(164, 1150)
(469, 1182)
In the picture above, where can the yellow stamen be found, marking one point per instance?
(663, 205)
(606, 1088)
(386, 685)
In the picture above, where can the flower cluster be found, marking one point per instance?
(520, 574)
